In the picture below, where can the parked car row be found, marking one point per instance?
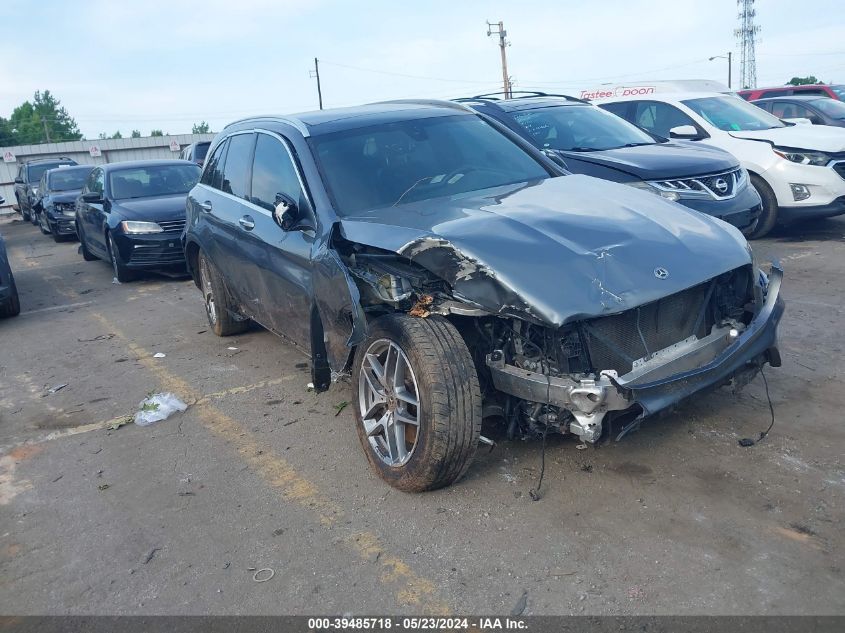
(10, 304)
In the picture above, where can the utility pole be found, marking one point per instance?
(730, 67)
(316, 73)
(46, 129)
(502, 33)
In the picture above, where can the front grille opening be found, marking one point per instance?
(616, 341)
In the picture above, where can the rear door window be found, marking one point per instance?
(236, 171)
(213, 174)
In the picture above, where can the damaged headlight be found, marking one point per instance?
(644, 186)
(818, 159)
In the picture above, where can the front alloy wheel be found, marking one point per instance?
(418, 414)
(388, 402)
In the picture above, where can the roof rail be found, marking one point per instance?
(33, 160)
(523, 94)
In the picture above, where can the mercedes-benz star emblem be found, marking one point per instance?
(661, 273)
(721, 185)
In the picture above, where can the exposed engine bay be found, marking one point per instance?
(596, 377)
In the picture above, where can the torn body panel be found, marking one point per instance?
(338, 304)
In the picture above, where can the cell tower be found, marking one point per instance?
(746, 35)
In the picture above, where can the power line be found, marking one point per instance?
(394, 74)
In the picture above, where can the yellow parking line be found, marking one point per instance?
(409, 588)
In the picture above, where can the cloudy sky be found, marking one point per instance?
(169, 63)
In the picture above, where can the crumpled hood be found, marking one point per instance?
(659, 161)
(557, 250)
(159, 208)
(823, 138)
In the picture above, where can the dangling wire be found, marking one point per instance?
(747, 441)
(535, 493)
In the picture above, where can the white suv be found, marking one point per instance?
(798, 170)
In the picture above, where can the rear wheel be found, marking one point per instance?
(769, 215)
(13, 306)
(419, 404)
(219, 308)
(121, 272)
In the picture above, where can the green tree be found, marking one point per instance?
(116, 135)
(156, 133)
(136, 133)
(29, 120)
(803, 81)
(6, 136)
(201, 128)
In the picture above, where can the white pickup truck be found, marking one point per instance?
(798, 170)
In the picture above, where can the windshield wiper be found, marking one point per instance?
(582, 149)
(637, 144)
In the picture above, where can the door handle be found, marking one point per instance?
(206, 206)
(247, 222)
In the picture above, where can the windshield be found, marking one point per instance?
(153, 180)
(67, 179)
(407, 161)
(579, 128)
(201, 150)
(732, 114)
(831, 107)
(34, 172)
(839, 90)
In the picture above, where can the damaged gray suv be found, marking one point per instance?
(458, 275)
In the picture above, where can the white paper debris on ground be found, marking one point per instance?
(158, 406)
(57, 388)
(234, 349)
(159, 355)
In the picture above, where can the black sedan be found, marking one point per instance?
(9, 303)
(819, 110)
(132, 214)
(56, 203)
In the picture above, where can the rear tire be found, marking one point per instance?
(769, 215)
(429, 357)
(87, 255)
(13, 307)
(219, 307)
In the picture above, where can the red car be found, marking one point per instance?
(836, 91)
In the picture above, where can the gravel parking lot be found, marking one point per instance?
(176, 518)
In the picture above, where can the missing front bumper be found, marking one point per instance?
(667, 377)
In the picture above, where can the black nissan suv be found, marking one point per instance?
(585, 139)
(455, 273)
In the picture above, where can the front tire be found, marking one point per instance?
(121, 272)
(219, 308)
(418, 414)
(24, 214)
(87, 255)
(769, 215)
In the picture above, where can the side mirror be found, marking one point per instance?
(688, 132)
(92, 196)
(18, 180)
(285, 212)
